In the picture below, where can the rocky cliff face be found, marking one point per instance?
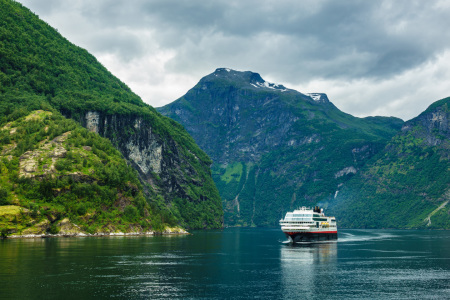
(139, 144)
(434, 126)
(167, 167)
(274, 148)
(407, 184)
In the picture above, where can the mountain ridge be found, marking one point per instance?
(269, 143)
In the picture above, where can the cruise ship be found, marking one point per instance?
(308, 225)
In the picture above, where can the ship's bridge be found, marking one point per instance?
(302, 214)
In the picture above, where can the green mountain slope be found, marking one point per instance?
(39, 69)
(274, 148)
(407, 185)
(55, 175)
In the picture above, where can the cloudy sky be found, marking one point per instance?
(389, 58)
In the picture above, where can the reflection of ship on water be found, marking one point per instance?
(306, 268)
(308, 225)
(317, 252)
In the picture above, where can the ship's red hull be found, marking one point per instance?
(298, 237)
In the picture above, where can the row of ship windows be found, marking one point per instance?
(311, 225)
(302, 219)
(299, 222)
(301, 215)
(305, 223)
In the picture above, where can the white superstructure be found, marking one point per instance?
(309, 224)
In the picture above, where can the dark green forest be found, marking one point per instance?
(41, 70)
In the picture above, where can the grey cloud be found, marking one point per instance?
(124, 45)
(320, 33)
(44, 8)
(383, 39)
(294, 42)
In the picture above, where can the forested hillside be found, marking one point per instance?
(407, 185)
(41, 70)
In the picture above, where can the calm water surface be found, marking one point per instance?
(235, 263)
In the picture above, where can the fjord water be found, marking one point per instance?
(234, 263)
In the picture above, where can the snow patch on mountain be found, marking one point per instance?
(318, 97)
(269, 85)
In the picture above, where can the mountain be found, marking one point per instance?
(274, 148)
(407, 184)
(57, 177)
(41, 70)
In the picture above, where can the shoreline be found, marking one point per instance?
(98, 234)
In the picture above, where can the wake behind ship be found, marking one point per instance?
(308, 225)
